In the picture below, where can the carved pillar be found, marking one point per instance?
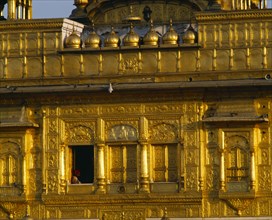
(28, 9)
(201, 160)
(100, 169)
(201, 147)
(44, 152)
(252, 170)
(144, 175)
(222, 171)
(24, 174)
(62, 167)
(144, 183)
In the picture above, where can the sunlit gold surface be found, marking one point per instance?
(178, 132)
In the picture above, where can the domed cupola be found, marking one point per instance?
(93, 40)
(190, 36)
(171, 36)
(73, 41)
(151, 37)
(132, 38)
(112, 40)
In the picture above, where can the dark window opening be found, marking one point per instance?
(83, 163)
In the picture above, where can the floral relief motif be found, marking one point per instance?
(52, 182)
(163, 133)
(79, 134)
(191, 179)
(52, 160)
(264, 178)
(129, 65)
(53, 126)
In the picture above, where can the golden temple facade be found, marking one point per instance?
(137, 110)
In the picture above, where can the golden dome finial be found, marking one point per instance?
(190, 36)
(112, 40)
(93, 40)
(81, 3)
(132, 38)
(151, 37)
(73, 41)
(171, 36)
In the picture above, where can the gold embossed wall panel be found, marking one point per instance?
(52, 133)
(190, 64)
(222, 60)
(52, 41)
(15, 69)
(121, 110)
(212, 160)
(164, 131)
(113, 67)
(239, 59)
(169, 62)
(240, 35)
(32, 45)
(191, 146)
(79, 132)
(72, 212)
(131, 164)
(91, 64)
(256, 33)
(268, 26)
(150, 62)
(72, 70)
(3, 68)
(206, 60)
(256, 58)
(117, 165)
(34, 67)
(224, 36)
(53, 66)
(14, 44)
(78, 112)
(129, 63)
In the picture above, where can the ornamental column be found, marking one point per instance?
(222, 161)
(144, 181)
(24, 173)
(62, 167)
(222, 171)
(144, 174)
(11, 9)
(100, 146)
(252, 170)
(100, 169)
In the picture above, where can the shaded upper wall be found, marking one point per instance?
(114, 12)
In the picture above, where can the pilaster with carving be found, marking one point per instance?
(100, 178)
(144, 175)
(191, 147)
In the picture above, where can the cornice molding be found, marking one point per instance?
(233, 15)
(37, 24)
